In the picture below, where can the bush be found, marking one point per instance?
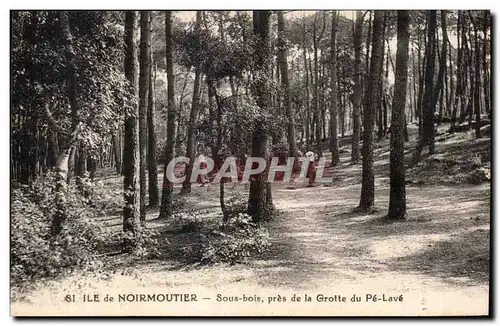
(191, 221)
(235, 206)
(35, 252)
(233, 242)
(143, 244)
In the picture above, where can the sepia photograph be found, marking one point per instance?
(250, 163)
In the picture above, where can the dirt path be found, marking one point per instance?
(437, 262)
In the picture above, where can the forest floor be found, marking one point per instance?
(438, 259)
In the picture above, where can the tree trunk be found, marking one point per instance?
(477, 85)
(371, 103)
(152, 164)
(428, 110)
(356, 112)
(168, 189)
(459, 92)
(438, 89)
(334, 146)
(307, 113)
(116, 152)
(257, 196)
(144, 79)
(186, 186)
(62, 165)
(283, 63)
(486, 74)
(380, 108)
(131, 222)
(397, 198)
(317, 110)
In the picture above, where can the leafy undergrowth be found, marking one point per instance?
(202, 237)
(35, 252)
(84, 242)
(459, 159)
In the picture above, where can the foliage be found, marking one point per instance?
(35, 252)
(233, 242)
(190, 221)
(144, 243)
(235, 206)
(40, 73)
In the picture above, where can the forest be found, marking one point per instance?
(393, 107)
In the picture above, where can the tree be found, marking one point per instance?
(397, 199)
(186, 186)
(168, 189)
(459, 98)
(428, 110)
(438, 90)
(486, 73)
(371, 103)
(144, 79)
(283, 64)
(334, 146)
(131, 221)
(259, 193)
(152, 164)
(477, 79)
(356, 111)
(316, 95)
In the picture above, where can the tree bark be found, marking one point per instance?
(438, 89)
(371, 103)
(152, 164)
(397, 197)
(334, 146)
(116, 152)
(131, 221)
(167, 192)
(283, 63)
(428, 110)
(186, 186)
(356, 111)
(62, 165)
(257, 196)
(143, 108)
(477, 85)
(486, 74)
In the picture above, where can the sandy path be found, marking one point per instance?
(319, 247)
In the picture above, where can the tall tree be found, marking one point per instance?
(334, 146)
(397, 199)
(486, 73)
(62, 165)
(152, 164)
(438, 90)
(117, 150)
(168, 189)
(428, 110)
(285, 80)
(459, 99)
(371, 103)
(260, 193)
(143, 106)
(186, 186)
(477, 79)
(317, 111)
(356, 111)
(131, 222)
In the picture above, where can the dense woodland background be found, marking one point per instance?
(101, 94)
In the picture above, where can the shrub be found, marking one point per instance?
(143, 244)
(235, 241)
(190, 221)
(236, 205)
(35, 252)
